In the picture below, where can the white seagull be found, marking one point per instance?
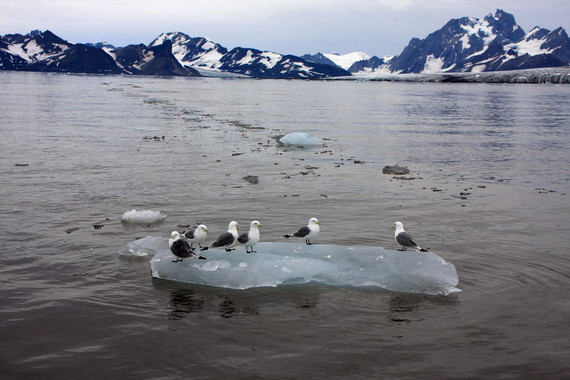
(250, 238)
(308, 232)
(197, 235)
(180, 248)
(228, 239)
(405, 239)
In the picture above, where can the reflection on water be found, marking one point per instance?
(184, 301)
(407, 308)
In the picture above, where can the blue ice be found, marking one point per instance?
(277, 264)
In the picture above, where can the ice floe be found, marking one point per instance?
(300, 138)
(277, 264)
(143, 217)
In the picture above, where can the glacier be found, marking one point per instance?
(280, 263)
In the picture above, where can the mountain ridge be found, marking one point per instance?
(466, 44)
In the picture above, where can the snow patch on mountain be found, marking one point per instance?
(433, 65)
(347, 60)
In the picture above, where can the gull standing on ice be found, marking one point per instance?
(180, 248)
(197, 235)
(228, 239)
(250, 238)
(405, 239)
(308, 232)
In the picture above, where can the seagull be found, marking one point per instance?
(250, 238)
(308, 232)
(228, 239)
(405, 239)
(197, 235)
(180, 248)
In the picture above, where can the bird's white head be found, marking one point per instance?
(233, 226)
(174, 235)
(399, 227)
(255, 224)
(202, 227)
(314, 221)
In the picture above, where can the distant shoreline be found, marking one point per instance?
(552, 75)
(549, 75)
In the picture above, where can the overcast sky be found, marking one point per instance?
(376, 27)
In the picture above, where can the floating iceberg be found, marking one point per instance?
(290, 263)
(300, 138)
(143, 217)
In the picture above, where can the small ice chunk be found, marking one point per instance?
(145, 247)
(300, 138)
(143, 217)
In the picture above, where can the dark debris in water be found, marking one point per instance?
(153, 138)
(542, 190)
(396, 169)
(253, 179)
(405, 178)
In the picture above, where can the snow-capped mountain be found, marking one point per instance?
(154, 60)
(44, 51)
(205, 55)
(36, 46)
(193, 51)
(495, 43)
(352, 62)
(169, 54)
(467, 44)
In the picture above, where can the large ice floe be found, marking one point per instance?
(277, 264)
(300, 139)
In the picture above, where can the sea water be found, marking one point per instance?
(487, 191)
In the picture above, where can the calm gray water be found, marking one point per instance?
(79, 150)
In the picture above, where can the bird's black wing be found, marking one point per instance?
(181, 248)
(190, 234)
(303, 231)
(405, 239)
(243, 238)
(224, 239)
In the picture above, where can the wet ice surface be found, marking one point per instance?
(293, 263)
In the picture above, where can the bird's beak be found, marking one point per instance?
(172, 237)
(318, 222)
(393, 227)
(207, 230)
(237, 228)
(261, 225)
